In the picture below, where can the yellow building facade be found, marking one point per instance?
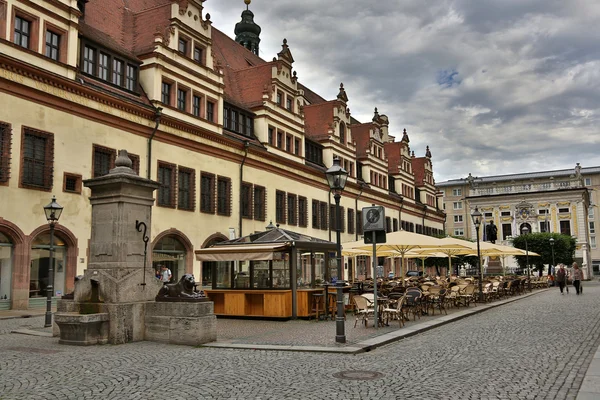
(77, 86)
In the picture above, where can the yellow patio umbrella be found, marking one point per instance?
(510, 251)
(468, 248)
(404, 242)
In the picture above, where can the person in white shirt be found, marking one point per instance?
(165, 274)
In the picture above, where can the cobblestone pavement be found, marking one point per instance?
(536, 348)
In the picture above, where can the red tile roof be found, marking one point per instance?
(361, 134)
(418, 167)
(393, 151)
(232, 54)
(318, 119)
(311, 96)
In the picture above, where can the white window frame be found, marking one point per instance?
(457, 205)
(593, 242)
(588, 182)
(459, 232)
(456, 192)
(458, 219)
(592, 227)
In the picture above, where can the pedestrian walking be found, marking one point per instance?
(561, 278)
(577, 277)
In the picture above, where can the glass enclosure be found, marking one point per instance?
(40, 265)
(241, 277)
(281, 271)
(6, 251)
(223, 273)
(170, 252)
(264, 274)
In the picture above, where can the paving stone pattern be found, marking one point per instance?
(536, 348)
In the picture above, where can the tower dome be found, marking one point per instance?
(247, 32)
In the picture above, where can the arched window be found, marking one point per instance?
(40, 266)
(170, 252)
(343, 133)
(6, 251)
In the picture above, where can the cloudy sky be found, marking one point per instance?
(492, 86)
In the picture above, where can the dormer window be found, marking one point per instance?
(109, 67)
(130, 77)
(237, 120)
(288, 103)
(279, 98)
(103, 66)
(89, 60)
(117, 75)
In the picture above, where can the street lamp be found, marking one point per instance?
(552, 247)
(336, 178)
(525, 231)
(52, 211)
(476, 215)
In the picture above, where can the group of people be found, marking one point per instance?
(562, 277)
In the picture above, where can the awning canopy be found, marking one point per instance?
(245, 252)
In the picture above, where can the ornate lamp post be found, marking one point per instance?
(552, 247)
(525, 231)
(336, 178)
(476, 215)
(52, 211)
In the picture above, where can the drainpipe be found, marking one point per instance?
(157, 115)
(400, 212)
(246, 146)
(328, 222)
(362, 185)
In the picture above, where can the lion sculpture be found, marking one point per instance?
(181, 291)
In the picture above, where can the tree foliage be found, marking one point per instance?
(564, 249)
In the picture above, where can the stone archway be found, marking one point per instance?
(20, 262)
(71, 243)
(523, 225)
(184, 240)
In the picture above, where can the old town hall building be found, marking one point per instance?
(235, 141)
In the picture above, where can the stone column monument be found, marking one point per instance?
(116, 259)
(114, 302)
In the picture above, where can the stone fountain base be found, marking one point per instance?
(187, 323)
(82, 329)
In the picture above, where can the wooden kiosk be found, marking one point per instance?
(270, 274)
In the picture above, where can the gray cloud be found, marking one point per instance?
(524, 92)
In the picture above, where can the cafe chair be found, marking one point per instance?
(362, 310)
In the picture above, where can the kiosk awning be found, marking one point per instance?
(240, 252)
